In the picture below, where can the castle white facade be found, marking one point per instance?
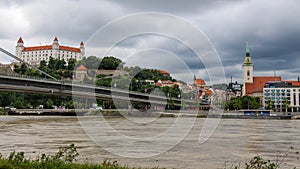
(35, 54)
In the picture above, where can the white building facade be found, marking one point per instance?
(35, 54)
(281, 94)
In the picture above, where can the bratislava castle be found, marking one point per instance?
(35, 54)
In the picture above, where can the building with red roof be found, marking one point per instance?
(293, 82)
(254, 85)
(35, 54)
(282, 95)
(80, 73)
(199, 82)
(81, 68)
(164, 73)
(258, 84)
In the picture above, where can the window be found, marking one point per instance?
(248, 73)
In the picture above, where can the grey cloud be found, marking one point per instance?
(271, 27)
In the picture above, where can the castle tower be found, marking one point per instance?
(247, 69)
(19, 47)
(82, 50)
(55, 49)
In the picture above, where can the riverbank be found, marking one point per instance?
(149, 113)
(64, 159)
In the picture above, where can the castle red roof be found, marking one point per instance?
(20, 40)
(49, 47)
(81, 67)
(33, 48)
(67, 48)
(259, 83)
(55, 39)
(81, 43)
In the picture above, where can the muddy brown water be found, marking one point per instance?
(234, 140)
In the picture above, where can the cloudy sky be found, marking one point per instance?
(271, 27)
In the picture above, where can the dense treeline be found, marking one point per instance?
(137, 81)
(29, 101)
(62, 69)
(106, 63)
(56, 68)
(245, 102)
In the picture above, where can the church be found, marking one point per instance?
(254, 85)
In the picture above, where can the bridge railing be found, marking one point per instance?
(27, 77)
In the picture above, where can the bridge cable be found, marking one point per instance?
(28, 64)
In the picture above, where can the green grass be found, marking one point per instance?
(64, 159)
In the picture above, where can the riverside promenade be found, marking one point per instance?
(165, 113)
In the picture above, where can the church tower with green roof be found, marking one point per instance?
(248, 66)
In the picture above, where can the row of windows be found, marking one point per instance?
(281, 90)
(40, 59)
(277, 94)
(40, 51)
(47, 55)
(46, 51)
(278, 90)
(276, 98)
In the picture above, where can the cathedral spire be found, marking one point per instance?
(247, 49)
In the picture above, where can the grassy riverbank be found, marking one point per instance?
(65, 158)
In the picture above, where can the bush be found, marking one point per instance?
(3, 112)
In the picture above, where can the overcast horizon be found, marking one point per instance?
(272, 29)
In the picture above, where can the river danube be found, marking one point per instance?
(234, 140)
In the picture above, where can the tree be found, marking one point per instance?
(22, 69)
(246, 102)
(254, 103)
(51, 63)
(270, 104)
(43, 65)
(110, 63)
(59, 64)
(286, 104)
(92, 62)
(71, 64)
(237, 104)
(32, 72)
